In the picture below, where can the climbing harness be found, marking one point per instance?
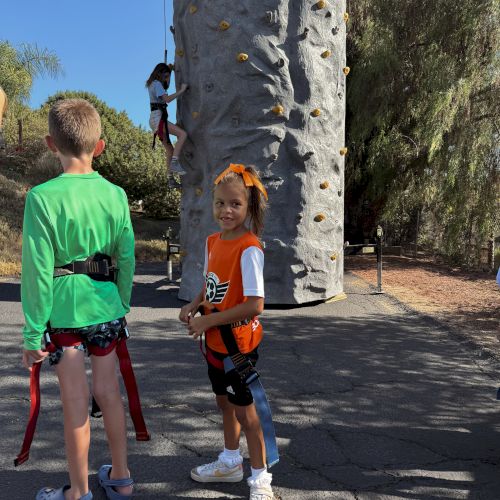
(69, 339)
(97, 267)
(162, 130)
(251, 378)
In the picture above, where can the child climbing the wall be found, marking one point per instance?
(231, 300)
(73, 226)
(157, 84)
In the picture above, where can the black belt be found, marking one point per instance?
(97, 267)
(158, 105)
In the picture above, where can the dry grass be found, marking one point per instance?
(150, 244)
(12, 196)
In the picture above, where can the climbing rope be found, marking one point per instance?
(165, 30)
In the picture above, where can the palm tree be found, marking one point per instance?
(20, 66)
(267, 87)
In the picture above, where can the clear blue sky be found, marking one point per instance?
(106, 47)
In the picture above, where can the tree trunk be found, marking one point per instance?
(281, 109)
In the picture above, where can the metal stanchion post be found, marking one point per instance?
(169, 261)
(380, 234)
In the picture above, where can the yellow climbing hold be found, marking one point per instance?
(316, 112)
(242, 57)
(324, 185)
(278, 109)
(319, 218)
(193, 9)
(333, 256)
(180, 52)
(346, 70)
(321, 4)
(195, 114)
(199, 191)
(343, 151)
(224, 25)
(326, 54)
(346, 16)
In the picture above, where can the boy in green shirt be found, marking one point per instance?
(69, 219)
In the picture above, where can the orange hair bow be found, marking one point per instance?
(249, 179)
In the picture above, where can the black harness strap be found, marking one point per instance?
(162, 106)
(98, 267)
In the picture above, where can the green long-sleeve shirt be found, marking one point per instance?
(65, 219)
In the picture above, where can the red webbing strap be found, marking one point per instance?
(24, 454)
(211, 359)
(134, 403)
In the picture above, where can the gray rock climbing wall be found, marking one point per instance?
(267, 87)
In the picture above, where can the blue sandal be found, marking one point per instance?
(110, 484)
(52, 494)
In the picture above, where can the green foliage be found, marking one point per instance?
(423, 119)
(128, 159)
(20, 66)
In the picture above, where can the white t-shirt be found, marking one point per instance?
(156, 90)
(252, 271)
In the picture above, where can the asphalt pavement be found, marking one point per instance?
(370, 401)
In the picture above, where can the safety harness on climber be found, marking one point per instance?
(249, 377)
(162, 130)
(97, 267)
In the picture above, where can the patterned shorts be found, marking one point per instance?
(101, 335)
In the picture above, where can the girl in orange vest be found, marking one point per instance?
(234, 287)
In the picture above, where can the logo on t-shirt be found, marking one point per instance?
(215, 291)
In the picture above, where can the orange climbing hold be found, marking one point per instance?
(319, 218)
(316, 112)
(193, 9)
(321, 4)
(346, 16)
(224, 25)
(333, 256)
(343, 151)
(326, 54)
(180, 52)
(324, 185)
(242, 57)
(346, 70)
(278, 109)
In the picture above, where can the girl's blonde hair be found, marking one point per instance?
(160, 69)
(257, 204)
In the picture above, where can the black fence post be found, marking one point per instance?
(380, 234)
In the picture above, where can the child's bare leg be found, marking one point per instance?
(106, 391)
(181, 138)
(250, 423)
(232, 428)
(169, 150)
(75, 401)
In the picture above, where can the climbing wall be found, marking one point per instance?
(267, 87)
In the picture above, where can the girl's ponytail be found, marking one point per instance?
(257, 205)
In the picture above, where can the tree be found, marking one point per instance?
(128, 159)
(267, 87)
(423, 119)
(20, 66)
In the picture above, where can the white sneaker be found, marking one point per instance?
(260, 489)
(218, 472)
(176, 167)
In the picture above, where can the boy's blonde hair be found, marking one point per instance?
(75, 126)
